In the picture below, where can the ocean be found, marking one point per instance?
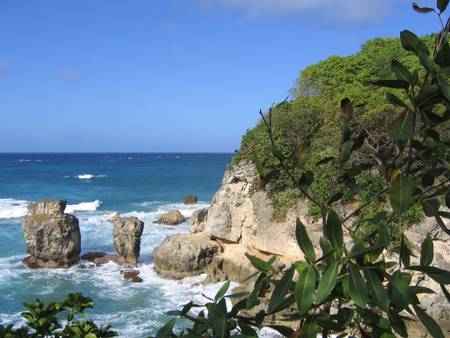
(142, 185)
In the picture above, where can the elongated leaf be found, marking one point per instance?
(442, 5)
(401, 195)
(304, 241)
(259, 263)
(357, 287)
(400, 71)
(405, 252)
(304, 290)
(219, 316)
(395, 100)
(166, 330)
(328, 282)
(398, 84)
(333, 229)
(403, 127)
(432, 327)
(401, 293)
(439, 275)
(310, 328)
(284, 330)
(377, 291)
(427, 252)
(445, 90)
(223, 290)
(412, 43)
(419, 9)
(281, 289)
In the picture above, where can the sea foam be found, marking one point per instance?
(83, 206)
(89, 176)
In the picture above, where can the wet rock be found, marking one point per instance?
(198, 219)
(92, 256)
(132, 276)
(173, 217)
(52, 237)
(183, 255)
(190, 199)
(127, 239)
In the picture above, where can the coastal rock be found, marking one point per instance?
(198, 219)
(173, 217)
(127, 234)
(190, 199)
(132, 276)
(52, 237)
(183, 255)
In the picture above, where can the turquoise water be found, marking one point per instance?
(144, 185)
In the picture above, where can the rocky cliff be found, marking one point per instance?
(241, 220)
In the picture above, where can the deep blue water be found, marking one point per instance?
(144, 185)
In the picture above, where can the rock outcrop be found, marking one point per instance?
(183, 255)
(197, 221)
(190, 199)
(52, 237)
(127, 234)
(173, 217)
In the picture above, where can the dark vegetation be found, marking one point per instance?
(390, 154)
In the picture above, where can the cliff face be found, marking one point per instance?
(241, 221)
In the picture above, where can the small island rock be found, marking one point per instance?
(190, 199)
(127, 239)
(173, 217)
(52, 237)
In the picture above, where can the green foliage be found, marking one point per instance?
(387, 161)
(47, 320)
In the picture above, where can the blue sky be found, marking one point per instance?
(167, 75)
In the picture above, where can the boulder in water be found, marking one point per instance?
(52, 237)
(190, 199)
(127, 239)
(173, 217)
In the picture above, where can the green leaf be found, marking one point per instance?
(401, 294)
(432, 327)
(398, 84)
(403, 127)
(400, 71)
(376, 290)
(401, 195)
(304, 241)
(307, 179)
(259, 263)
(431, 207)
(412, 43)
(284, 330)
(166, 330)
(447, 199)
(219, 317)
(445, 90)
(426, 254)
(442, 5)
(281, 289)
(304, 290)
(439, 275)
(333, 229)
(395, 100)
(328, 282)
(223, 290)
(405, 253)
(310, 328)
(357, 287)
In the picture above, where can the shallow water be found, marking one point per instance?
(144, 185)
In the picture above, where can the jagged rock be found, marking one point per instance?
(132, 276)
(93, 255)
(173, 217)
(198, 219)
(52, 237)
(127, 234)
(190, 199)
(183, 255)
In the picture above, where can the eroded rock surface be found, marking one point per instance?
(173, 217)
(52, 237)
(197, 221)
(184, 255)
(190, 199)
(127, 234)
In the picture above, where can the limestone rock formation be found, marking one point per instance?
(197, 221)
(52, 237)
(190, 199)
(184, 255)
(127, 234)
(173, 217)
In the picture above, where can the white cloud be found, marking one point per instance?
(340, 10)
(4, 65)
(67, 74)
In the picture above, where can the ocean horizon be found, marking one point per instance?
(95, 185)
